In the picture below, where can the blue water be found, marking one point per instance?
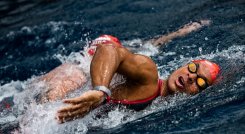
(37, 36)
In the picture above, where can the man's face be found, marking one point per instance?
(183, 80)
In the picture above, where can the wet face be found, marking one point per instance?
(187, 81)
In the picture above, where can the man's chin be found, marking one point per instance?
(171, 87)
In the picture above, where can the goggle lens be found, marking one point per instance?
(192, 67)
(201, 83)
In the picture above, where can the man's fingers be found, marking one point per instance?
(70, 108)
(73, 101)
(80, 99)
(67, 116)
(79, 106)
(73, 114)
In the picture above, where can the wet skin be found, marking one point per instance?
(182, 80)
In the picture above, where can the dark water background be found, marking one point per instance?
(31, 32)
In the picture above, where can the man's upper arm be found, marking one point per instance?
(139, 68)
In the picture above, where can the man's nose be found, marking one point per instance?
(191, 77)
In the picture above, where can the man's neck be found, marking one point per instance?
(164, 88)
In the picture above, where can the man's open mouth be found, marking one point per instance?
(180, 83)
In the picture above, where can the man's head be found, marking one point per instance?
(193, 77)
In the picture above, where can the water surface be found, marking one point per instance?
(37, 36)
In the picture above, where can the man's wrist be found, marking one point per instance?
(104, 92)
(100, 95)
(103, 89)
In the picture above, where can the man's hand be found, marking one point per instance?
(80, 106)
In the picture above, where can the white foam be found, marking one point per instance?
(139, 47)
(9, 89)
(40, 119)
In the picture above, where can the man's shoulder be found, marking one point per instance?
(136, 59)
(143, 59)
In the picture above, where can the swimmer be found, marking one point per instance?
(142, 83)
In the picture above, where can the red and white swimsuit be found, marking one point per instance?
(103, 40)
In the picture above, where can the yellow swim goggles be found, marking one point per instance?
(201, 81)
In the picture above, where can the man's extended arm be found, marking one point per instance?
(188, 28)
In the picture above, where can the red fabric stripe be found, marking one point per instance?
(109, 100)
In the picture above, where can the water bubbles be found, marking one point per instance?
(61, 49)
(50, 41)
(200, 50)
(197, 113)
(241, 81)
(111, 120)
(10, 57)
(26, 29)
(217, 48)
(55, 26)
(175, 122)
(11, 34)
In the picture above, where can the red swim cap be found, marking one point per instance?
(214, 68)
(103, 39)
